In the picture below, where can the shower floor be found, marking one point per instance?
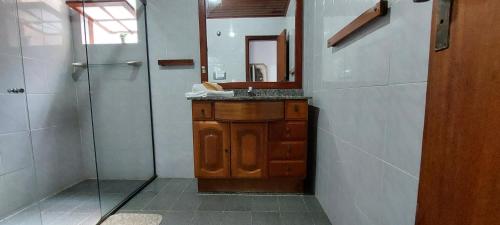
(76, 205)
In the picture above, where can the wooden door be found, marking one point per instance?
(282, 57)
(249, 150)
(460, 172)
(211, 149)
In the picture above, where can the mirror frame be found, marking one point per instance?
(299, 35)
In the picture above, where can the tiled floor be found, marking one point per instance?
(179, 203)
(77, 205)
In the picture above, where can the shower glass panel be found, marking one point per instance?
(114, 36)
(18, 200)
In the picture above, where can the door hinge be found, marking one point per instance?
(443, 25)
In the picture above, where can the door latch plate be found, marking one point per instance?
(443, 25)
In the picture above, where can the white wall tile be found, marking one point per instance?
(9, 32)
(11, 73)
(399, 197)
(57, 153)
(13, 118)
(408, 63)
(15, 152)
(48, 110)
(371, 109)
(16, 191)
(169, 23)
(406, 111)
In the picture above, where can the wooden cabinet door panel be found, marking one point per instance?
(211, 149)
(249, 150)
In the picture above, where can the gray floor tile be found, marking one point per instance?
(187, 202)
(28, 216)
(238, 203)
(237, 218)
(212, 202)
(110, 201)
(266, 218)
(312, 204)
(320, 218)
(265, 204)
(119, 186)
(208, 218)
(176, 186)
(177, 218)
(295, 218)
(139, 201)
(157, 185)
(193, 186)
(162, 201)
(291, 204)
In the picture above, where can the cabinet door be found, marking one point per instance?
(249, 150)
(211, 149)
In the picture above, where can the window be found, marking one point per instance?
(107, 22)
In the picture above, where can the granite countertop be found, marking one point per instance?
(249, 98)
(261, 95)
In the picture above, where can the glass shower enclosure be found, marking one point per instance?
(76, 138)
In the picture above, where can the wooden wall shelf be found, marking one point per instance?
(380, 9)
(175, 62)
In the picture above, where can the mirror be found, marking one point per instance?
(251, 43)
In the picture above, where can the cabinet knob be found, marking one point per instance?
(203, 112)
(296, 108)
(226, 150)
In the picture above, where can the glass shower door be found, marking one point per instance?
(115, 40)
(17, 171)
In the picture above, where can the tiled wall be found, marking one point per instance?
(52, 103)
(371, 92)
(54, 149)
(120, 106)
(173, 34)
(16, 158)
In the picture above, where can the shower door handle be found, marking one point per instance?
(15, 90)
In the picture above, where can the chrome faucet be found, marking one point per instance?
(251, 92)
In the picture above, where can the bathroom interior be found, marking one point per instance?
(251, 112)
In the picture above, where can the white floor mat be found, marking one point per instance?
(133, 219)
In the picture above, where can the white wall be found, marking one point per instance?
(120, 107)
(38, 57)
(227, 52)
(16, 157)
(173, 34)
(52, 101)
(265, 52)
(371, 92)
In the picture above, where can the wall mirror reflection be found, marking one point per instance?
(249, 42)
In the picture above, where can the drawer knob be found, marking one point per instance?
(203, 112)
(296, 108)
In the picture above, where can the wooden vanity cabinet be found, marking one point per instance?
(250, 146)
(211, 149)
(249, 150)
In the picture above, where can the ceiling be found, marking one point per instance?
(246, 8)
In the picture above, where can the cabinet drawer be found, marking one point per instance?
(249, 111)
(287, 169)
(202, 111)
(296, 110)
(288, 131)
(287, 150)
